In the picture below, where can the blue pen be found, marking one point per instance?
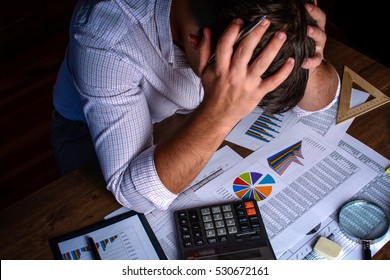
(243, 33)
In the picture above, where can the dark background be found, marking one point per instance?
(32, 44)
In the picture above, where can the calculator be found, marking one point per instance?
(231, 230)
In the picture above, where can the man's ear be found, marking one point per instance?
(194, 41)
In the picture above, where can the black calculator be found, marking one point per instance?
(231, 230)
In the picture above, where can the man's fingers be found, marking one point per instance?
(318, 35)
(244, 51)
(313, 61)
(317, 14)
(224, 50)
(319, 38)
(273, 81)
(267, 55)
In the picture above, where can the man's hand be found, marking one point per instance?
(323, 81)
(232, 86)
(317, 34)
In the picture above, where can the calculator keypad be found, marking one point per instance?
(211, 226)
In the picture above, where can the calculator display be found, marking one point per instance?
(233, 230)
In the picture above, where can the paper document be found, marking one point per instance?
(298, 180)
(377, 190)
(258, 128)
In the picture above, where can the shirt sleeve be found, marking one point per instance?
(119, 120)
(301, 112)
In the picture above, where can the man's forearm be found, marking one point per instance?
(321, 88)
(180, 157)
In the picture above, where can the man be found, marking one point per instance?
(130, 64)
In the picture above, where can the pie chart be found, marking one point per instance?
(253, 185)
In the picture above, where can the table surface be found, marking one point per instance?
(81, 198)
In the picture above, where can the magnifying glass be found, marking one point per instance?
(364, 222)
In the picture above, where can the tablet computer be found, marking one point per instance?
(127, 236)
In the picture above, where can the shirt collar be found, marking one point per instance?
(170, 52)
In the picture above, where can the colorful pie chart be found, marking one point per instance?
(253, 185)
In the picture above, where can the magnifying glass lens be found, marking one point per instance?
(364, 221)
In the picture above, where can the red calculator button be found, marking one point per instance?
(249, 204)
(251, 211)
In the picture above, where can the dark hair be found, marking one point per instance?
(289, 16)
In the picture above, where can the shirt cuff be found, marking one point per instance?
(146, 181)
(302, 113)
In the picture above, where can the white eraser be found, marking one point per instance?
(328, 248)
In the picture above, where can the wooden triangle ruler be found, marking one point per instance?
(344, 111)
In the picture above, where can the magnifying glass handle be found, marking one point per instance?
(367, 250)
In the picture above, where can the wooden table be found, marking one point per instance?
(81, 198)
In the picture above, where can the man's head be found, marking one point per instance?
(289, 16)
